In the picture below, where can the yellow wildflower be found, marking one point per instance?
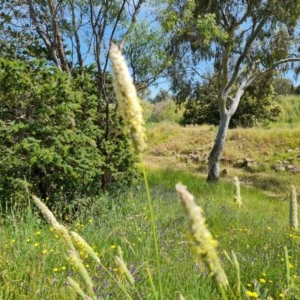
(251, 294)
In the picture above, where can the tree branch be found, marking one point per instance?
(275, 65)
(58, 38)
(244, 54)
(132, 23)
(43, 36)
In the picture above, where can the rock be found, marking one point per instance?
(195, 158)
(251, 165)
(249, 160)
(225, 160)
(224, 172)
(279, 168)
(239, 163)
(295, 170)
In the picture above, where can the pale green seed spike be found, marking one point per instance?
(45, 211)
(83, 245)
(204, 244)
(123, 269)
(64, 233)
(237, 192)
(60, 229)
(128, 101)
(76, 262)
(293, 208)
(78, 289)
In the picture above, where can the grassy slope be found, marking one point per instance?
(257, 233)
(172, 144)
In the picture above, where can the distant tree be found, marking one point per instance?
(283, 86)
(257, 105)
(244, 39)
(297, 90)
(162, 95)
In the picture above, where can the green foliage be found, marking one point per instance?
(51, 136)
(165, 110)
(257, 233)
(145, 53)
(291, 109)
(257, 106)
(214, 31)
(283, 86)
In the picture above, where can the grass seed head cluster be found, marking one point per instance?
(128, 101)
(237, 192)
(203, 243)
(293, 208)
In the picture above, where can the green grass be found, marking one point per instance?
(257, 233)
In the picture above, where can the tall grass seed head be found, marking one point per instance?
(204, 244)
(237, 192)
(78, 265)
(293, 208)
(83, 245)
(128, 101)
(45, 211)
(123, 269)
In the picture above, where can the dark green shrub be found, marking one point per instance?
(51, 136)
(257, 105)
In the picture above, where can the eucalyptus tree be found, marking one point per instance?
(242, 39)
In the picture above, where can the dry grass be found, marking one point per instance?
(173, 146)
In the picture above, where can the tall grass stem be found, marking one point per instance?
(154, 232)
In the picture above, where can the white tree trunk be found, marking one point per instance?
(215, 154)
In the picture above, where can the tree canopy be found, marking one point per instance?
(244, 40)
(258, 105)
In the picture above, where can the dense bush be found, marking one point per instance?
(283, 86)
(165, 110)
(51, 135)
(258, 105)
